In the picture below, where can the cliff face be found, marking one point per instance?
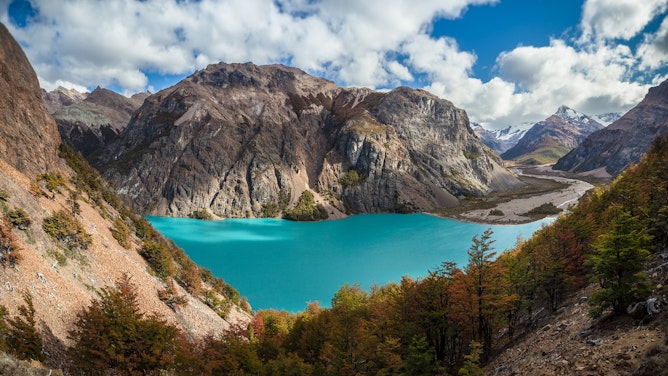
(624, 141)
(236, 138)
(62, 279)
(28, 135)
(91, 123)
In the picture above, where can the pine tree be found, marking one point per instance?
(23, 338)
(617, 263)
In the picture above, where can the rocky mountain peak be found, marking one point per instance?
(28, 135)
(237, 139)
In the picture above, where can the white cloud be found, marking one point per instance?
(373, 43)
(608, 19)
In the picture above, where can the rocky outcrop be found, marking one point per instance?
(624, 141)
(93, 122)
(28, 135)
(239, 138)
(552, 138)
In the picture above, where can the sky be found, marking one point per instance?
(504, 61)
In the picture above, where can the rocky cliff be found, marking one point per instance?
(552, 138)
(624, 141)
(91, 123)
(238, 139)
(28, 135)
(63, 270)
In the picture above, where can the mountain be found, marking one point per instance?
(550, 139)
(624, 141)
(61, 97)
(31, 147)
(607, 118)
(241, 140)
(501, 140)
(93, 122)
(64, 235)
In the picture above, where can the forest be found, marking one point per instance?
(451, 322)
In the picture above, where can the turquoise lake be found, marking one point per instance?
(284, 265)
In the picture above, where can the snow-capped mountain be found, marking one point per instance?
(501, 140)
(607, 118)
(552, 138)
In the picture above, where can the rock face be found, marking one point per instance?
(552, 138)
(28, 135)
(237, 138)
(93, 122)
(625, 140)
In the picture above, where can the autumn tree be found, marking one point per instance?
(618, 262)
(112, 334)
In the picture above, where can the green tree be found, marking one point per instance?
(617, 262)
(23, 338)
(112, 334)
(471, 365)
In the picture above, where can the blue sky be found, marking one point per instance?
(503, 61)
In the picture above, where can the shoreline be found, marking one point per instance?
(513, 207)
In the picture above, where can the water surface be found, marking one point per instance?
(284, 265)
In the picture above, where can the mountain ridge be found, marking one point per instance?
(624, 141)
(277, 132)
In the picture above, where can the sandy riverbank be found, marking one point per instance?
(542, 187)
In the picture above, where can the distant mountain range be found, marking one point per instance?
(547, 140)
(550, 139)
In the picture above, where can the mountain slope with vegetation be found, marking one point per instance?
(65, 237)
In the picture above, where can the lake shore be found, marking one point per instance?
(543, 186)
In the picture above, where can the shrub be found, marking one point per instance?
(9, 249)
(53, 181)
(19, 218)
(159, 259)
(112, 336)
(306, 209)
(120, 233)
(4, 196)
(201, 214)
(496, 212)
(544, 209)
(351, 178)
(65, 228)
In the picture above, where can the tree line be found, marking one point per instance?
(452, 321)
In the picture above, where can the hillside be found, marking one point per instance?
(64, 235)
(548, 140)
(241, 140)
(625, 141)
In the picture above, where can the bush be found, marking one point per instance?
(120, 233)
(201, 214)
(19, 218)
(544, 209)
(306, 209)
(65, 228)
(23, 338)
(53, 181)
(496, 212)
(159, 259)
(9, 249)
(351, 178)
(4, 196)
